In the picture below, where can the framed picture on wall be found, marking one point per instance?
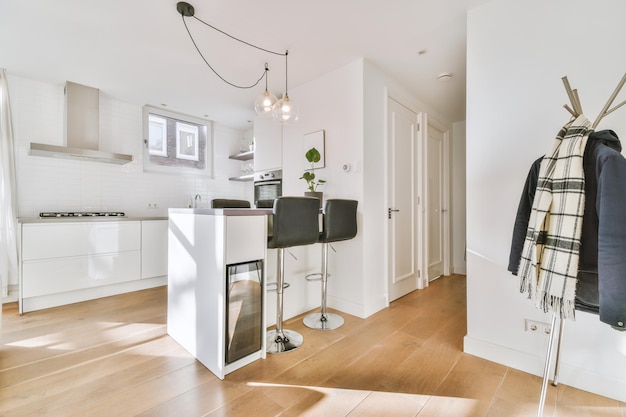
(314, 140)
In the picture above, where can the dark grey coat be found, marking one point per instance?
(601, 287)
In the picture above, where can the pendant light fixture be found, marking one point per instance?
(264, 104)
(285, 110)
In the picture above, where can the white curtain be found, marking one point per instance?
(8, 221)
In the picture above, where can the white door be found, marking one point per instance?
(402, 200)
(435, 205)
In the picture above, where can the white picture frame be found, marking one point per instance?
(315, 140)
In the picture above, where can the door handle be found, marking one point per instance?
(389, 211)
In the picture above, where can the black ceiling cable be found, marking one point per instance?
(186, 9)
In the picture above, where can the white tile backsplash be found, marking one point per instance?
(50, 184)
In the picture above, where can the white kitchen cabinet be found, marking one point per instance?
(153, 248)
(63, 262)
(268, 144)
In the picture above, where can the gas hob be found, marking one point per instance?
(56, 214)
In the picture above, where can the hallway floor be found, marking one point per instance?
(112, 357)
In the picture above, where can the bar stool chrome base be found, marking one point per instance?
(284, 341)
(319, 321)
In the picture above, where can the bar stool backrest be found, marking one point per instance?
(339, 220)
(229, 203)
(295, 222)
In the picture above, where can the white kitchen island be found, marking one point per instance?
(216, 285)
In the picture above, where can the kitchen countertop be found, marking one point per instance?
(222, 211)
(86, 219)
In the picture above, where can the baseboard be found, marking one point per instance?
(70, 297)
(568, 374)
(13, 295)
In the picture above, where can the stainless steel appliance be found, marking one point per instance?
(244, 309)
(46, 214)
(268, 186)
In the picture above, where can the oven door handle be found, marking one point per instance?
(270, 182)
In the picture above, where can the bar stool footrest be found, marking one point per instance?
(274, 286)
(316, 276)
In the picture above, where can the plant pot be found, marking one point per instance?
(317, 194)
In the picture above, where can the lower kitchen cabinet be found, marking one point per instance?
(68, 262)
(153, 248)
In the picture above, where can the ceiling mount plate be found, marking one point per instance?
(185, 8)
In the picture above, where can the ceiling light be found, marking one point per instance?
(284, 110)
(264, 104)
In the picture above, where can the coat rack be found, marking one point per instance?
(575, 110)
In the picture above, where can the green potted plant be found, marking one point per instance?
(312, 156)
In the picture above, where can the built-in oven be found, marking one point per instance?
(268, 186)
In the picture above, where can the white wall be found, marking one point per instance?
(458, 198)
(350, 105)
(50, 184)
(333, 103)
(517, 54)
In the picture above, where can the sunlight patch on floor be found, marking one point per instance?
(66, 340)
(358, 403)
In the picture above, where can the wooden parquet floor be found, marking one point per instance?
(113, 357)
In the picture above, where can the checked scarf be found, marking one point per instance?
(549, 261)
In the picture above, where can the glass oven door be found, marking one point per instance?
(265, 192)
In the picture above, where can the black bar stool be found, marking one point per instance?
(339, 224)
(295, 223)
(229, 203)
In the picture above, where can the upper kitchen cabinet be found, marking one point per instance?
(268, 139)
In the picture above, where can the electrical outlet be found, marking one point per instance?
(537, 327)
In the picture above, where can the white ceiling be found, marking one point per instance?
(138, 51)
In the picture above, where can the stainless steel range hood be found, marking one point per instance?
(82, 129)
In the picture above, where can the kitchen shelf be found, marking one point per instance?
(243, 156)
(248, 177)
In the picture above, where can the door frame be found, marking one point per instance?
(423, 121)
(419, 210)
(445, 181)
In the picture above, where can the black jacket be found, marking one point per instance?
(601, 287)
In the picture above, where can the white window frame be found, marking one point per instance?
(189, 134)
(199, 162)
(160, 123)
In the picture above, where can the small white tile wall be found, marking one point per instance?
(50, 184)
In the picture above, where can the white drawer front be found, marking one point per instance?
(58, 275)
(46, 241)
(53, 240)
(114, 237)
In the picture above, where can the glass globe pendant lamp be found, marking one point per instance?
(264, 104)
(285, 110)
